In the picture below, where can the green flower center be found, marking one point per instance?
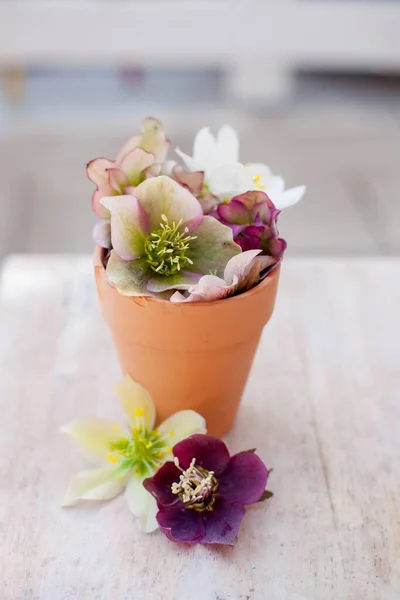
(143, 452)
(166, 248)
(196, 487)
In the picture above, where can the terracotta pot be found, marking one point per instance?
(194, 355)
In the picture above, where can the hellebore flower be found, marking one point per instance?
(211, 152)
(241, 273)
(161, 240)
(252, 218)
(193, 181)
(225, 177)
(127, 454)
(134, 163)
(202, 494)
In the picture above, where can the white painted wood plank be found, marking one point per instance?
(304, 33)
(322, 405)
(348, 338)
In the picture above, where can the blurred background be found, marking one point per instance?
(312, 86)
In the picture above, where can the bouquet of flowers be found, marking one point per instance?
(200, 233)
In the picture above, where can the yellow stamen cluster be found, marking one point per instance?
(166, 248)
(256, 180)
(143, 452)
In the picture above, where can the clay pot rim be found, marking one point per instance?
(97, 259)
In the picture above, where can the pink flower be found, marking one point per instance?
(202, 494)
(194, 182)
(162, 241)
(136, 161)
(252, 217)
(241, 273)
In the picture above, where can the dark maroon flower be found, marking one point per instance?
(202, 494)
(252, 217)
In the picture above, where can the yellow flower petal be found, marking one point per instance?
(95, 484)
(180, 425)
(136, 402)
(93, 436)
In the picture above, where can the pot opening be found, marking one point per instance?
(268, 274)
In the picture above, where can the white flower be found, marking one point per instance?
(225, 177)
(210, 152)
(128, 454)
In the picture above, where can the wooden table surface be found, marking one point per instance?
(322, 406)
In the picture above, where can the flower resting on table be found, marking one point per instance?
(162, 241)
(127, 454)
(201, 495)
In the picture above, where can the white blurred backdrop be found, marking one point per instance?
(312, 86)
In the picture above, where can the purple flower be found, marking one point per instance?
(202, 494)
(252, 217)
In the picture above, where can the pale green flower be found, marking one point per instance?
(127, 454)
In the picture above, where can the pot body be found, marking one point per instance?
(192, 355)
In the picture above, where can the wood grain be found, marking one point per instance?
(322, 405)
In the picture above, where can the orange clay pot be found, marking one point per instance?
(192, 355)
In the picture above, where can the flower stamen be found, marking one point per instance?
(196, 486)
(143, 452)
(166, 248)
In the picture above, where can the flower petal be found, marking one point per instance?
(227, 181)
(93, 436)
(136, 402)
(228, 144)
(181, 524)
(178, 297)
(182, 280)
(192, 181)
(101, 211)
(244, 480)
(129, 278)
(181, 425)
(212, 248)
(290, 197)
(160, 484)
(205, 151)
(131, 144)
(211, 287)
(134, 163)
(102, 233)
(117, 179)
(162, 195)
(94, 484)
(260, 209)
(276, 186)
(208, 201)
(190, 162)
(239, 266)
(259, 171)
(142, 504)
(222, 523)
(234, 212)
(97, 172)
(209, 452)
(153, 139)
(129, 225)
